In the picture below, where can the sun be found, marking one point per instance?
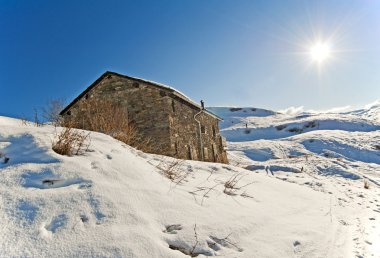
(319, 52)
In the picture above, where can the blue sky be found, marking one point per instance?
(235, 53)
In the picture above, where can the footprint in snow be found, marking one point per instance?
(109, 156)
(96, 207)
(296, 243)
(57, 223)
(48, 180)
(94, 165)
(26, 212)
(47, 230)
(296, 246)
(172, 229)
(84, 218)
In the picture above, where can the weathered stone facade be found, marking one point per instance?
(161, 114)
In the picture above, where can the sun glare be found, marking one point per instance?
(320, 52)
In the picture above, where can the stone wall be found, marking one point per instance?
(161, 116)
(191, 140)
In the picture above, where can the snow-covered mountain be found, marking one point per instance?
(287, 193)
(260, 137)
(334, 149)
(247, 124)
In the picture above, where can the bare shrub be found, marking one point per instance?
(71, 142)
(25, 121)
(108, 118)
(231, 185)
(173, 170)
(37, 121)
(205, 190)
(51, 111)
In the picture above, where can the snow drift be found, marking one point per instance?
(115, 201)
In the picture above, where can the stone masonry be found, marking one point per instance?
(161, 114)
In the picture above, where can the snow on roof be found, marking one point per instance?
(173, 90)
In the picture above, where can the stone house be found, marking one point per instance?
(177, 126)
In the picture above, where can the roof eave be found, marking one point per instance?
(176, 93)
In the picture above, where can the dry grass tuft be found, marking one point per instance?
(71, 142)
(108, 118)
(173, 170)
(231, 185)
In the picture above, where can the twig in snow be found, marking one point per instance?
(226, 241)
(196, 241)
(231, 185)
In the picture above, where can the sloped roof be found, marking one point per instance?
(151, 83)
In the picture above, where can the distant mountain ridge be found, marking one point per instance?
(249, 123)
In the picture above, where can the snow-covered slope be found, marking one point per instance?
(331, 148)
(371, 111)
(115, 201)
(250, 124)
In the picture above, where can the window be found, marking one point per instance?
(173, 105)
(68, 113)
(203, 129)
(213, 131)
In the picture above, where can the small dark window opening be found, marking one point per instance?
(136, 84)
(109, 77)
(203, 129)
(68, 113)
(213, 131)
(162, 93)
(86, 96)
(173, 106)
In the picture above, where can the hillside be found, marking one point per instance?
(115, 201)
(329, 152)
